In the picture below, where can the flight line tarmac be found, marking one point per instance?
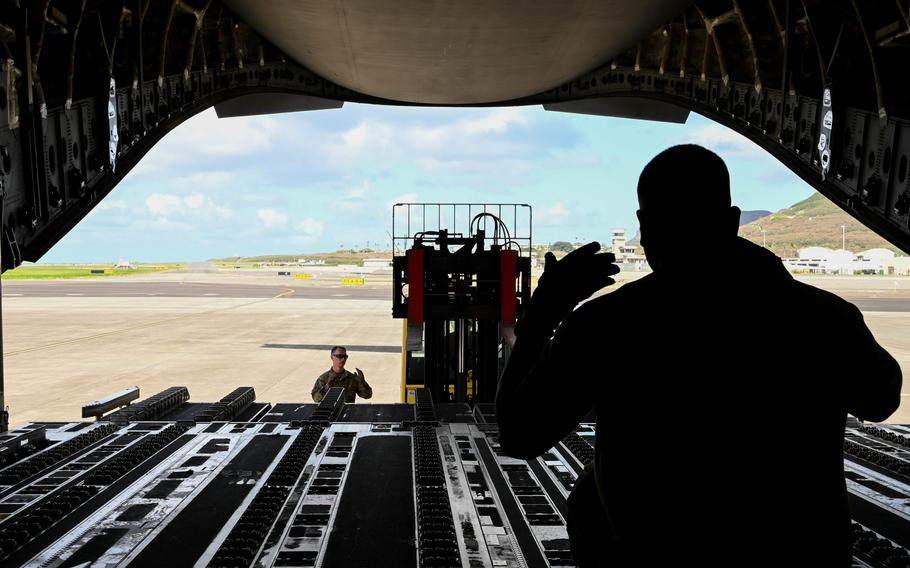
(69, 342)
(125, 289)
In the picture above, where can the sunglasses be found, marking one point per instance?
(339, 356)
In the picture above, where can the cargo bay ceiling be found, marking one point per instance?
(89, 86)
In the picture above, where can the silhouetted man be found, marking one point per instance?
(720, 416)
(354, 384)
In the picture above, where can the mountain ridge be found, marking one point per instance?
(814, 221)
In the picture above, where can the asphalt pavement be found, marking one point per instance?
(97, 288)
(125, 289)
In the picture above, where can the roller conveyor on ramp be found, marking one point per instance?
(335, 484)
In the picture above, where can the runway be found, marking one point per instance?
(880, 304)
(68, 342)
(151, 289)
(174, 289)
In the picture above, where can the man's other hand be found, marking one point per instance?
(359, 372)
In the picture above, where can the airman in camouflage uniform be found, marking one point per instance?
(353, 383)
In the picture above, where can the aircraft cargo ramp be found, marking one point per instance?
(335, 484)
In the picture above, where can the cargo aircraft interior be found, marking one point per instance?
(88, 87)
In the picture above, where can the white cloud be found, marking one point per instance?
(163, 205)
(575, 160)
(222, 212)
(164, 225)
(725, 142)
(194, 201)
(553, 215)
(480, 137)
(212, 136)
(205, 180)
(353, 199)
(440, 165)
(464, 134)
(364, 133)
(472, 166)
(109, 204)
(206, 136)
(372, 136)
(308, 232)
(404, 198)
(359, 192)
(271, 218)
(497, 121)
(311, 227)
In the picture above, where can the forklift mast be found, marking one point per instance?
(460, 293)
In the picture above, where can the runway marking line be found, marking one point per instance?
(287, 292)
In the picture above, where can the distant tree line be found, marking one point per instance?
(562, 246)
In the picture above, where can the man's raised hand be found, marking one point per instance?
(567, 282)
(578, 275)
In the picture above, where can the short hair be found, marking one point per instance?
(685, 178)
(338, 347)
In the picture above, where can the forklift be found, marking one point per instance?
(459, 294)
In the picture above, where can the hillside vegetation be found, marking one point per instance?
(815, 221)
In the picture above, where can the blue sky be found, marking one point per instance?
(310, 182)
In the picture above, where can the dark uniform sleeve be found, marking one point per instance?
(873, 376)
(536, 403)
(319, 388)
(361, 386)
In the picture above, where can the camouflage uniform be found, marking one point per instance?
(353, 384)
